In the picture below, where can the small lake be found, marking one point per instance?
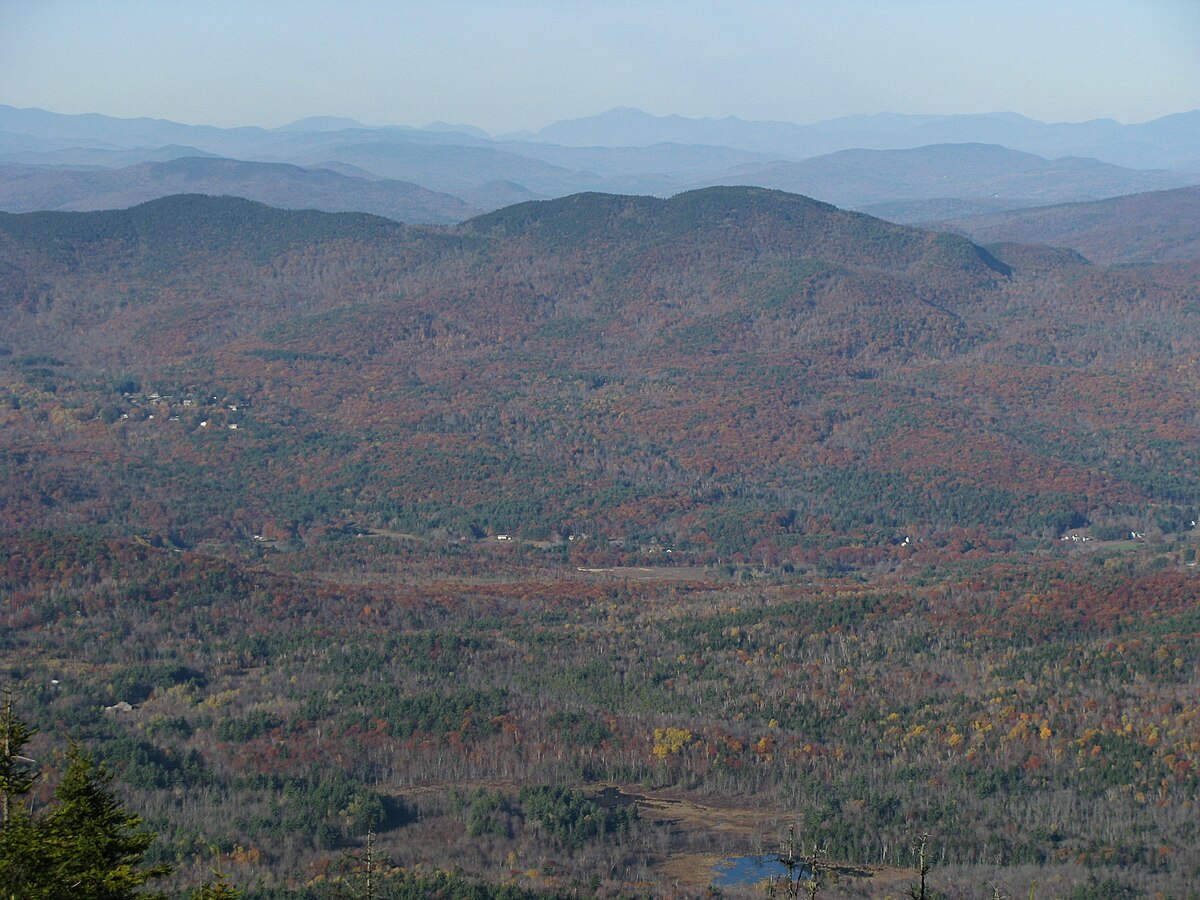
(748, 869)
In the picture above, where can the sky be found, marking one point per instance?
(508, 65)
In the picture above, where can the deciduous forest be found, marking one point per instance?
(576, 548)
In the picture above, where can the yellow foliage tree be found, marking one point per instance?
(670, 740)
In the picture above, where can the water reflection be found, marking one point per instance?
(750, 869)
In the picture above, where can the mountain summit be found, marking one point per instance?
(747, 223)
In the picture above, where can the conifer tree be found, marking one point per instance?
(220, 889)
(95, 845)
(20, 856)
(16, 776)
(86, 847)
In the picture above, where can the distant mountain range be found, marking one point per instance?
(29, 188)
(976, 172)
(908, 168)
(1171, 142)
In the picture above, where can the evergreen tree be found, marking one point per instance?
(16, 777)
(86, 847)
(220, 889)
(23, 864)
(95, 845)
(21, 859)
(216, 890)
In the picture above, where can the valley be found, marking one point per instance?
(737, 501)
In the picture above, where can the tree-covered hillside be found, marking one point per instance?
(763, 511)
(692, 370)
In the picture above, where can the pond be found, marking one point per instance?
(749, 869)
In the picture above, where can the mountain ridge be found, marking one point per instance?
(285, 185)
(861, 177)
(763, 216)
(765, 255)
(1166, 142)
(594, 363)
(1157, 226)
(839, 161)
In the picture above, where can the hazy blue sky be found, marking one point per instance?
(514, 64)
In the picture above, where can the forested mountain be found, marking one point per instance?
(773, 511)
(733, 349)
(1160, 226)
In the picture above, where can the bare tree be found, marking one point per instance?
(798, 867)
(368, 863)
(918, 891)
